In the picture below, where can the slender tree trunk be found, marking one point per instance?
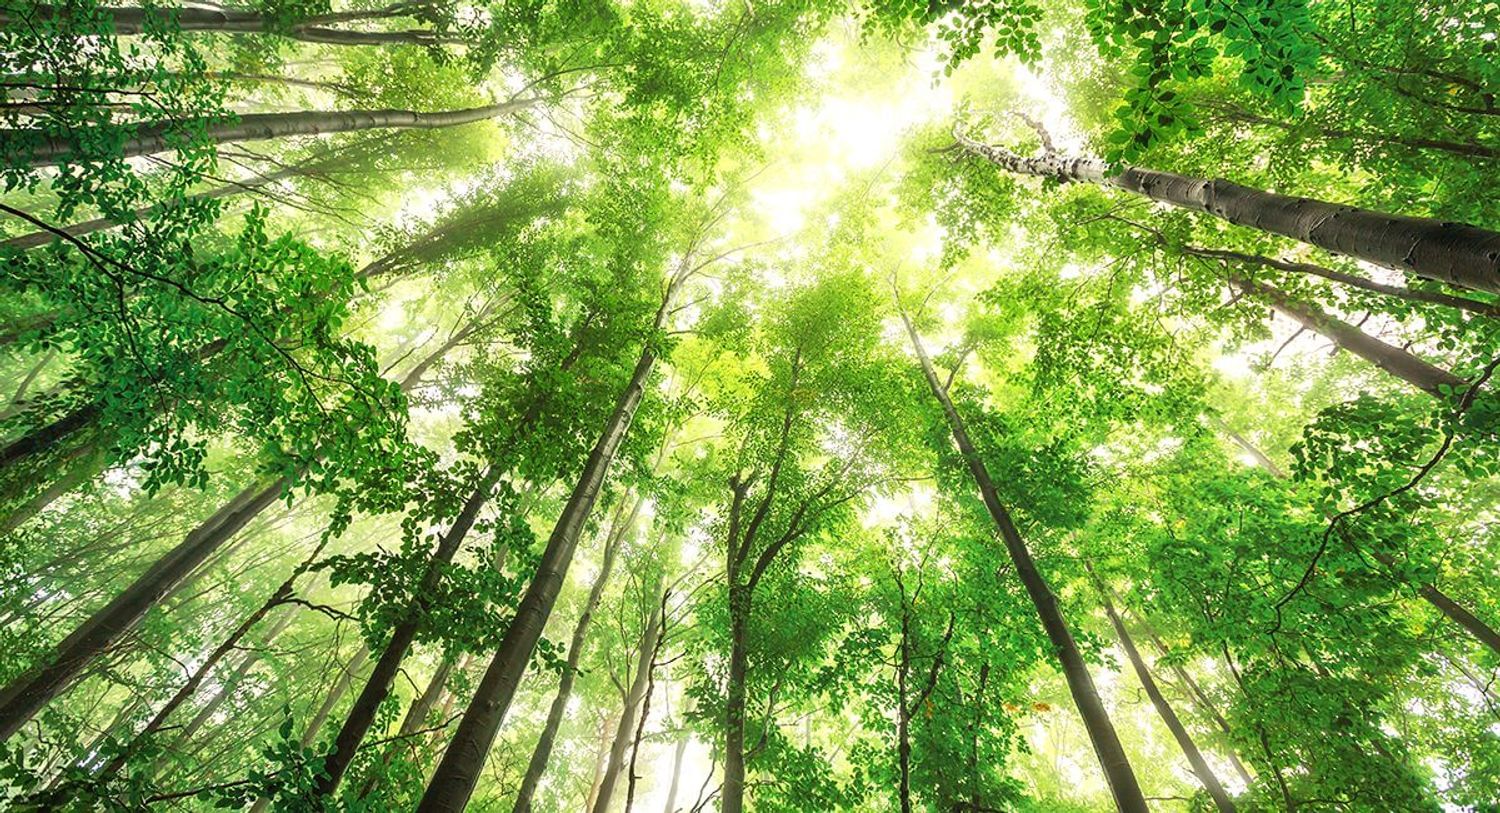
(25, 696)
(28, 693)
(36, 239)
(542, 754)
(1201, 769)
(132, 20)
(417, 715)
(39, 148)
(229, 644)
(732, 792)
(1112, 759)
(677, 753)
(1343, 278)
(458, 771)
(606, 726)
(1462, 148)
(631, 705)
(1455, 253)
(1202, 701)
(331, 700)
(1406, 366)
(77, 474)
(903, 717)
(232, 681)
(378, 686)
(1441, 601)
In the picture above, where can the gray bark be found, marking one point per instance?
(1455, 253)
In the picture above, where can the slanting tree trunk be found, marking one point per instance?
(232, 681)
(132, 20)
(542, 754)
(39, 148)
(1341, 277)
(677, 753)
(459, 769)
(362, 714)
(1201, 769)
(631, 703)
(28, 693)
(1406, 366)
(1462, 148)
(1455, 253)
(277, 598)
(1112, 759)
(1202, 701)
(1433, 595)
(36, 239)
(416, 716)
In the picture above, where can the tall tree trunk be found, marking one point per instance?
(39, 148)
(632, 700)
(27, 694)
(36, 239)
(1455, 253)
(417, 715)
(135, 20)
(1201, 769)
(1341, 277)
(1406, 366)
(732, 792)
(458, 771)
(677, 753)
(232, 681)
(1433, 595)
(1199, 698)
(229, 644)
(606, 726)
(378, 686)
(1112, 759)
(542, 754)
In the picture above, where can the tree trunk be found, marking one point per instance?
(606, 725)
(80, 472)
(631, 704)
(1455, 253)
(671, 805)
(542, 754)
(226, 689)
(320, 717)
(732, 792)
(25, 696)
(39, 148)
(456, 774)
(417, 715)
(1428, 378)
(36, 239)
(1465, 149)
(1112, 759)
(378, 686)
(1343, 278)
(127, 21)
(1200, 766)
(1441, 601)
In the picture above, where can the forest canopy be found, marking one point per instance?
(780, 405)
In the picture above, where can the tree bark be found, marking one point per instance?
(543, 751)
(127, 21)
(1434, 595)
(732, 792)
(632, 701)
(671, 805)
(1455, 253)
(39, 148)
(458, 771)
(25, 696)
(378, 686)
(1112, 759)
(1201, 769)
(1401, 364)
(1343, 278)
